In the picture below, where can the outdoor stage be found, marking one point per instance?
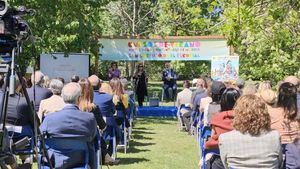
(161, 111)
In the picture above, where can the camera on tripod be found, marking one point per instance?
(13, 28)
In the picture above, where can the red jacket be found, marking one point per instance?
(220, 123)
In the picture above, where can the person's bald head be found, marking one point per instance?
(71, 93)
(200, 83)
(292, 79)
(95, 81)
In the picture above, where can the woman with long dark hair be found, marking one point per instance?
(284, 117)
(222, 123)
(140, 82)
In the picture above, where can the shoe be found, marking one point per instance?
(114, 162)
(111, 161)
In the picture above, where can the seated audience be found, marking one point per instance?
(130, 93)
(104, 99)
(75, 78)
(61, 79)
(240, 84)
(183, 103)
(295, 81)
(293, 154)
(20, 116)
(54, 103)
(217, 89)
(196, 97)
(284, 118)
(86, 104)
(222, 123)
(67, 118)
(251, 144)
(120, 100)
(95, 82)
(249, 89)
(40, 92)
(266, 85)
(46, 82)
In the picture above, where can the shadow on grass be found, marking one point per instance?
(142, 132)
(126, 161)
(137, 144)
(141, 137)
(145, 121)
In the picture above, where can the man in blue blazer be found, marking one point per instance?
(169, 78)
(40, 92)
(70, 122)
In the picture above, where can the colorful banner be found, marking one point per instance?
(225, 68)
(162, 49)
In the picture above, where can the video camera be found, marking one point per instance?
(12, 27)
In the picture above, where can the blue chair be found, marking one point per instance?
(180, 118)
(130, 113)
(17, 133)
(109, 135)
(205, 133)
(68, 153)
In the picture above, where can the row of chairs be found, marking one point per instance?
(199, 131)
(80, 150)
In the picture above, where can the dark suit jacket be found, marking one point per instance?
(18, 111)
(166, 73)
(107, 108)
(40, 94)
(70, 122)
(105, 103)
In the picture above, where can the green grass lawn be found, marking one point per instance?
(157, 144)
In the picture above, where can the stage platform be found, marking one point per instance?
(161, 111)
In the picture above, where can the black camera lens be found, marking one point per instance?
(2, 5)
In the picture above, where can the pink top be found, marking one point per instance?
(288, 130)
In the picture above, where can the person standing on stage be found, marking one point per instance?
(169, 78)
(113, 71)
(140, 82)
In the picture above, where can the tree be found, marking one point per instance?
(65, 26)
(266, 35)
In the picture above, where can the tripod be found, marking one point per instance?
(10, 69)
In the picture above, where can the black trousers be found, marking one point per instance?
(140, 99)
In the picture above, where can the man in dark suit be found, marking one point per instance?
(70, 122)
(19, 119)
(169, 78)
(40, 92)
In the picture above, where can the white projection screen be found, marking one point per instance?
(58, 65)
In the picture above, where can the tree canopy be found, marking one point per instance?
(264, 33)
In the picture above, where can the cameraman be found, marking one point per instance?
(19, 121)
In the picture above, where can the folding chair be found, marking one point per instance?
(205, 133)
(124, 139)
(16, 134)
(130, 113)
(180, 123)
(109, 134)
(66, 153)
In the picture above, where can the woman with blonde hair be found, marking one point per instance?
(86, 104)
(252, 143)
(265, 85)
(120, 100)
